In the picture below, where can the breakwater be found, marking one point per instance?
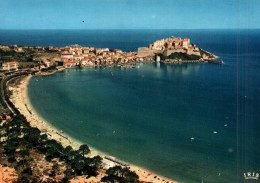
(192, 61)
(215, 61)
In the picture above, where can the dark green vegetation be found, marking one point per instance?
(23, 146)
(204, 52)
(11, 55)
(27, 57)
(119, 174)
(181, 56)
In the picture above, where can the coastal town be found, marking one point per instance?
(72, 56)
(67, 57)
(37, 58)
(19, 64)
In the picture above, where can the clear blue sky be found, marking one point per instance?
(129, 14)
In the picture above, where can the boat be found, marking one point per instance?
(28, 108)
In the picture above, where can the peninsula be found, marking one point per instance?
(45, 58)
(175, 49)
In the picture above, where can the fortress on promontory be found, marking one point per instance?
(168, 46)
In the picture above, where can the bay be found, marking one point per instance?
(147, 116)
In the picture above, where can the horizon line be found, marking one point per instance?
(136, 29)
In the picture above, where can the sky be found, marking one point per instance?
(129, 14)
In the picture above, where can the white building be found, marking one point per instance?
(8, 66)
(67, 56)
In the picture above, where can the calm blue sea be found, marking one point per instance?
(147, 115)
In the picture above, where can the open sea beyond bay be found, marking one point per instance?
(146, 116)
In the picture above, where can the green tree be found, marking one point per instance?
(112, 179)
(96, 161)
(68, 173)
(79, 167)
(10, 147)
(24, 153)
(84, 149)
(116, 170)
(119, 174)
(131, 177)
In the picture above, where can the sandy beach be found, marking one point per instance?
(20, 98)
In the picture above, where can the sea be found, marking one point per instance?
(191, 122)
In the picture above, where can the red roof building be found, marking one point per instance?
(8, 66)
(68, 64)
(67, 56)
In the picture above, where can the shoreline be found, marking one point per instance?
(20, 97)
